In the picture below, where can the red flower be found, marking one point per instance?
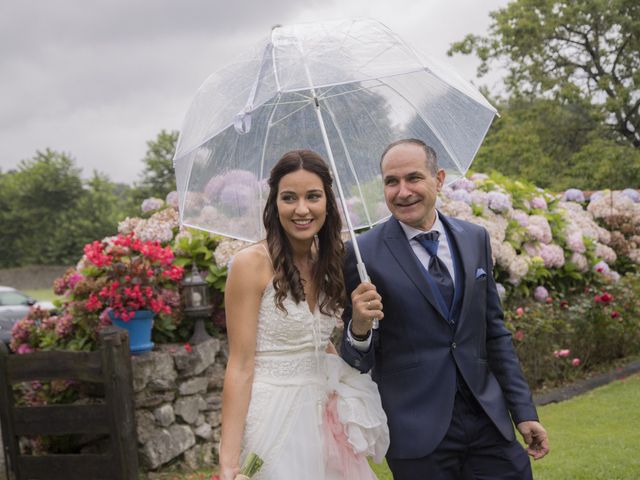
(187, 347)
(615, 314)
(93, 303)
(519, 311)
(576, 362)
(549, 300)
(564, 304)
(519, 335)
(606, 297)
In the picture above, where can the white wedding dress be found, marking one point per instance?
(298, 393)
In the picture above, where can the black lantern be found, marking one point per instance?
(197, 304)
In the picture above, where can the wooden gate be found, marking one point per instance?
(109, 366)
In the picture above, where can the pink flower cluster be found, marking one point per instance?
(564, 353)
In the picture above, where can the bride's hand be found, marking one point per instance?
(229, 473)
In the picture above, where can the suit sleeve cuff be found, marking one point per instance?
(361, 345)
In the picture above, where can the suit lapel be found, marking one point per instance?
(399, 247)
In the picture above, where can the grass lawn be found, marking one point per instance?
(593, 437)
(41, 294)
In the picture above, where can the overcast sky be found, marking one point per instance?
(99, 79)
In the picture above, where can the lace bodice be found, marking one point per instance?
(291, 344)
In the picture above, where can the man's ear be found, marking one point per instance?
(440, 176)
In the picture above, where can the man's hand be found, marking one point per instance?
(535, 436)
(366, 303)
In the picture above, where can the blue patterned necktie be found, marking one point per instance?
(437, 268)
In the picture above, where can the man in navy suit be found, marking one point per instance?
(445, 365)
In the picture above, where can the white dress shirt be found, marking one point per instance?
(444, 253)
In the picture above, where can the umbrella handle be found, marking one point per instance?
(364, 277)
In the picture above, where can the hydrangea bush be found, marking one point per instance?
(565, 265)
(539, 239)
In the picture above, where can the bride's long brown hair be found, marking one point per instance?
(327, 272)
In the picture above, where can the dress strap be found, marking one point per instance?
(267, 252)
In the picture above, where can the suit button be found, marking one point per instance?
(453, 345)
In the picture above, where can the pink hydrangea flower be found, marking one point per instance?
(499, 202)
(151, 204)
(464, 184)
(521, 217)
(552, 256)
(540, 293)
(575, 242)
(172, 199)
(213, 187)
(461, 195)
(573, 195)
(601, 267)
(539, 203)
(539, 228)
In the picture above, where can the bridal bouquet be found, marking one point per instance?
(252, 464)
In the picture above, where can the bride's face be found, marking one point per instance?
(302, 205)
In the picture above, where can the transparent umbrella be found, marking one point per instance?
(345, 89)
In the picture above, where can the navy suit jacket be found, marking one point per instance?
(415, 351)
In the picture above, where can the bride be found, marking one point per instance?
(287, 396)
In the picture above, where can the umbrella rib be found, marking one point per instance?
(350, 163)
(296, 102)
(326, 97)
(430, 125)
(273, 62)
(289, 114)
(264, 150)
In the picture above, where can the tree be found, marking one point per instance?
(47, 212)
(158, 177)
(581, 50)
(557, 146)
(37, 194)
(95, 215)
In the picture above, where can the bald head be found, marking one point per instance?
(430, 157)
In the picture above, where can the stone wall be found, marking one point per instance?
(29, 278)
(177, 399)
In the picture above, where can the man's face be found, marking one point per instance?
(410, 188)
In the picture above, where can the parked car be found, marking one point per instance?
(14, 305)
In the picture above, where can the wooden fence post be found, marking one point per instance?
(6, 405)
(116, 360)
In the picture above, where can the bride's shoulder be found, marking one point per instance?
(252, 262)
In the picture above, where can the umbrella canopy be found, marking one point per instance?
(345, 89)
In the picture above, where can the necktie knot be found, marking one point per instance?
(429, 241)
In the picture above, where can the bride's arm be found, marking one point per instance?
(246, 281)
(331, 348)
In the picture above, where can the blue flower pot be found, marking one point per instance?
(139, 328)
